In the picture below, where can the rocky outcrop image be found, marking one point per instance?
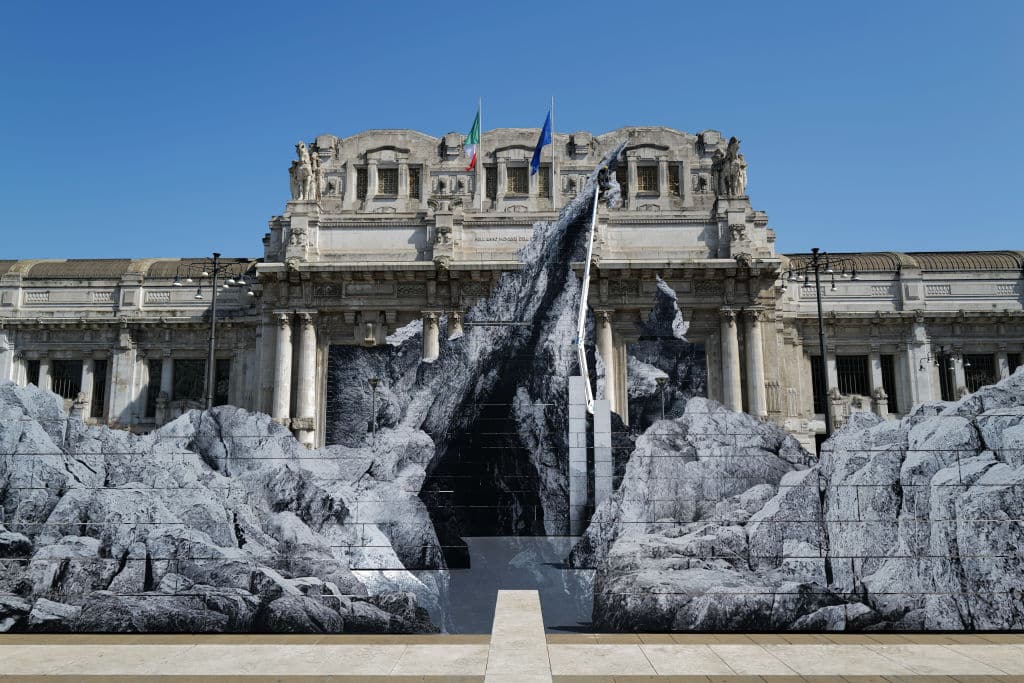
(723, 523)
(217, 522)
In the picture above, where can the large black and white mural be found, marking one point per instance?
(220, 521)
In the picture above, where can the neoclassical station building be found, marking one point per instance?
(387, 227)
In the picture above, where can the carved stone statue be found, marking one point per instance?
(301, 172)
(741, 181)
(318, 176)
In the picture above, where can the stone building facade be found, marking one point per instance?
(387, 227)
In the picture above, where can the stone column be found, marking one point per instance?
(732, 393)
(306, 397)
(756, 398)
(371, 180)
(831, 372)
(403, 180)
(631, 182)
(348, 200)
(959, 376)
(121, 387)
(167, 376)
(264, 397)
(685, 191)
(577, 454)
(44, 373)
(455, 325)
(1002, 365)
(502, 179)
(605, 347)
(604, 468)
(88, 379)
(7, 357)
(663, 178)
(283, 371)
(875, 370)
(431, 342)
(918, 368)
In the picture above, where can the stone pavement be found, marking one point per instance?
(517, 651)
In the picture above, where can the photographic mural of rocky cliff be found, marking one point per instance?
(221, 522)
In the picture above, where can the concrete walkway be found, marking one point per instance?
(517, 652)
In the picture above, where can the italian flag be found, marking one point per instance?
(472, 142)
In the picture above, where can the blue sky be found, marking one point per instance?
(166, 129)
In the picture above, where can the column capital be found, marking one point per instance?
(755, 315)
(728, 315)
(283, 320)
(306, 319)
(604, 315)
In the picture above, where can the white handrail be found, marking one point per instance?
(581, 323)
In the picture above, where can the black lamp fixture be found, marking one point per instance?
(809, 271)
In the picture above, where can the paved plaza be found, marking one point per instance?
(517, 651)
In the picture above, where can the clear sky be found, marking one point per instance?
(165, 129)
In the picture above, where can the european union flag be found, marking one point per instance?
(545, 139)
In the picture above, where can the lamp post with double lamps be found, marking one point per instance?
(239, 273)
(817, 264)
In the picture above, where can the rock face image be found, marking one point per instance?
(722, 522)
(218, 521)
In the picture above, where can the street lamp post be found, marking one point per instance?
(213, 268)
(819, 263)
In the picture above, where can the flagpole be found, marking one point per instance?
(554, 175)
(479, 156)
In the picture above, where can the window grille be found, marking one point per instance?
(189, 379)
(387, 181)
(491, 181)
(360, 183)
(673, 180)
(99, 388)
(818, 384)
(414, 182)
(544, 181)
(853, 375)
(67, 378)
(647, 179)
(889, 382)
(979, 370)
(518, 180)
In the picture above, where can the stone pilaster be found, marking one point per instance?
(45, 382)
(959, 376)
(306, 396)
(919, 368)
(756, 397)
(875, 370)
(431, 341)
(732, 392)
(1002, 365)
(7, 356)
(121, 386)
(455, 329)
(605, 347)
(167, 376)
(281, 409)
(88, 381)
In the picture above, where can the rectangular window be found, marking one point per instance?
(647, 179)
(673, 180)
(387, 181)
(544, 181)
(979, 370)
(99, 387)
(853, 375)
(1013, 360)
(67, 378)
(518, 180)
(818, 384)
(946, 370)
(491, 181)
(221, 381)
(156, 366)
(189, 379)
(889, 381)
(32, 372)
(414, 182)
(360, 183)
